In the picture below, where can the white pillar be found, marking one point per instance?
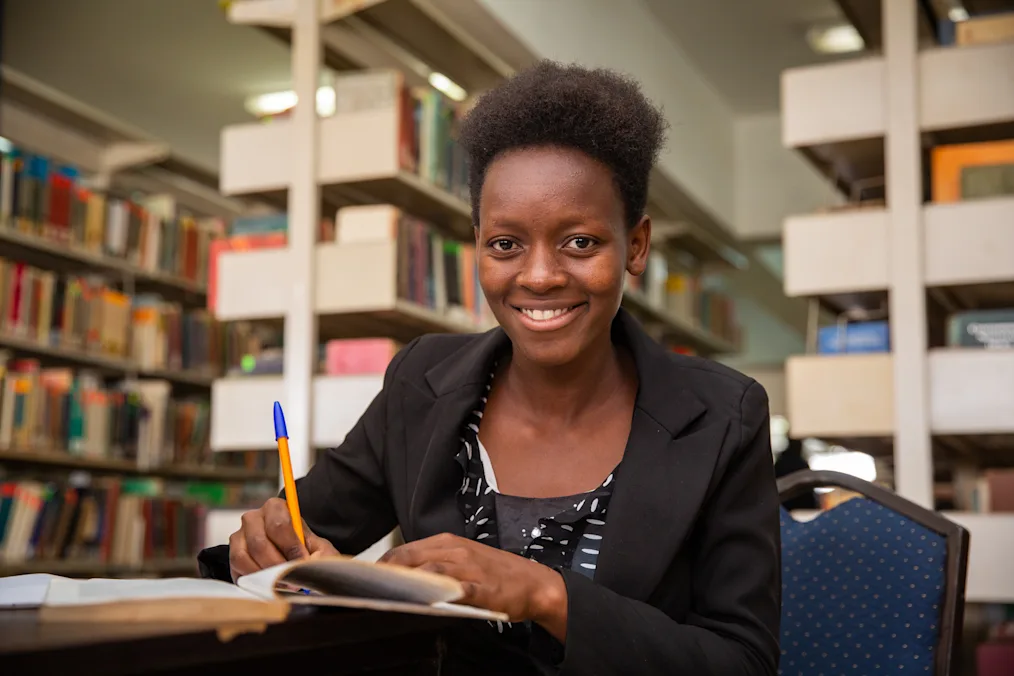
(913, 457)
(304, 215)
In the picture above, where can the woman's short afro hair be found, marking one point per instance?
(599, 112)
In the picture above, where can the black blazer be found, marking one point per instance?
(688, 579)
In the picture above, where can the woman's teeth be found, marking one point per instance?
(543, 315)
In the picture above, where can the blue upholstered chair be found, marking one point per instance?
(873, 586)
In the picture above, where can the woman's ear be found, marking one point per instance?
(638, 245)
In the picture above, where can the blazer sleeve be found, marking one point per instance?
(732, 628)
(344, 498)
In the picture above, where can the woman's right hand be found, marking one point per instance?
(267, 538)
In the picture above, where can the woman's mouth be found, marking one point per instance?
(548, 319)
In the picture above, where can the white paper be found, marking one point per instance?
(24, 591)
(67, 592)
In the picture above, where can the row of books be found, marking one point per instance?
(433, 270)
(42, 198)
(427, 124)
(982, 329)
(166, 336)
(688, 297)
(341, 357)
(991, 491)
(88, 313)
(973, 171)
(108, 520)
(428, 141)
(59, 409)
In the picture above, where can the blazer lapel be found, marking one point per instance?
(434, 421)
(660, 487)
(434, 507)
(664, 476)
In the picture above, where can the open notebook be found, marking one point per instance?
(263, 596)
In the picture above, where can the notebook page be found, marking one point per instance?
(67, 592)
(24, 591)
(350, 583)
(349, 577)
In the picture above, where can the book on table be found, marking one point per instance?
(264, 596)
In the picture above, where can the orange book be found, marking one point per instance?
(950, 161)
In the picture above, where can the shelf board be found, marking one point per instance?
(851, 396)
(107, 364)
(88, 568)
(835, 114)
(992, 537)
(241, 406)
(65, 460)
(366, 306)
(971, 391)
(675, 327)
(53, 255)
(836, 252)
(841, 396)
(358, 162)
(841, 257)
(49, 122)
(970, 243)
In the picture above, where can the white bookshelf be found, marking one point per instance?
(847, 251)
(356, 283)
(838, 113)
(338, 402)
(840, 396)
(835, 252)
(969, 242)
(869, 117)
(358, 156)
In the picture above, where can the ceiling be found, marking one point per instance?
(179, 70)
(175, 68)
(742, 46)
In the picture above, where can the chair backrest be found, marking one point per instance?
(874, 585)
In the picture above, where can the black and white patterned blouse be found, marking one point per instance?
(562, 533)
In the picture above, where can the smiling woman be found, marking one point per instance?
(617, 502)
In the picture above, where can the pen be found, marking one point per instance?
(282, 439)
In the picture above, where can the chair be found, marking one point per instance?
(875, 585)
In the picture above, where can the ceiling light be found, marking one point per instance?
(957, 14)
(445, 85)
(835, 39)
(277, 103)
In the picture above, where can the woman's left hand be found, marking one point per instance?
(492, 578)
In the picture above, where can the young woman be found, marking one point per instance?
(617, 501)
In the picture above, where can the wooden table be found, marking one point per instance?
(337, 641)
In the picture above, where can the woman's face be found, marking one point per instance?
(553, 249)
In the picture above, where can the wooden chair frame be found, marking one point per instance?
(957, 537)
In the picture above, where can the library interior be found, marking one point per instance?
(186, 240)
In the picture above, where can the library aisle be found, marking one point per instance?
(837, 223)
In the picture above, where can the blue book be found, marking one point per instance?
(859, 337)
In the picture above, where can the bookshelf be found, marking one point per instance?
(107, 352)
(938, 410)
(837, 115)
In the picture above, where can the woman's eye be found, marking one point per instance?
(580, 242)
(502, 244)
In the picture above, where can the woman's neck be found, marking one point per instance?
(564, 393)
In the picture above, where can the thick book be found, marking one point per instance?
(264, 596)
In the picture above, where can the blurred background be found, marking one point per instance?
(833, 215)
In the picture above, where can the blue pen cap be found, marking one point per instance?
(280, 430)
